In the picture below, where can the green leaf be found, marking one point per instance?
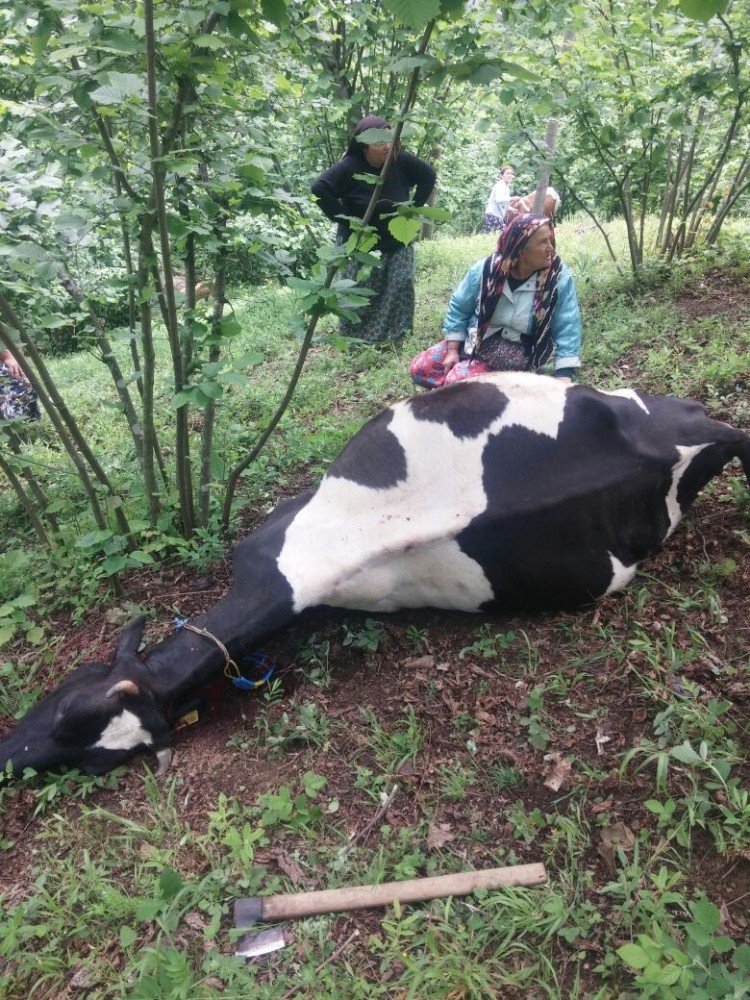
(633, 955)
(147, 909)
(275, 12)
(170, 883)
(237, 25)
(699, 934)
(408, 63)
(435, 212)
(35, 635)
(182, 398)
(114, 564)
(230, 328)
(452, 8)
(374, 137)
(211, 389)
(208, 42)
(234, 378)
(404, 230)
(481, 70)
(722, 944)
(312, 783)
(92, 538)
(24, 601)
(42, 33)
(702, 10)
(253, 173)
(115, 40)
(127, 936)
(7, 631)
(118, 88)
(706, 914)
(741, 958)
(414, 13)
(141, 557)
(685, 754)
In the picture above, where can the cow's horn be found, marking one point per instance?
(123, 687)
(165, 759)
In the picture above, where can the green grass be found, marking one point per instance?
(122, 887)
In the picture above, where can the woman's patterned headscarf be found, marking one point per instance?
(538, 344)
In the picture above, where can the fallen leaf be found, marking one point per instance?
(84, 978)
(414, 662)
(195, 920)
(560, 773)
(408, 768)
(614, 838)
(439, 834)
(600, 807)
(290, 868)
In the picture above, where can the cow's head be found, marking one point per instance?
(96, 719)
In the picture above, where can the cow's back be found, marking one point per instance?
(513, 489)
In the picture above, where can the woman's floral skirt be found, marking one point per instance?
(390, 312)
(18, 401)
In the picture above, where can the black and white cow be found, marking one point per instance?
(513, 491)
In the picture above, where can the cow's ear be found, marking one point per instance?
(130, 639)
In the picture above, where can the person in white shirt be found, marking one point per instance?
(498, 201)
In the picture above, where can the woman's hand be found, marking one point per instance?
(13, 366)
(451, 358)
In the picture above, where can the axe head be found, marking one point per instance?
(262, 943)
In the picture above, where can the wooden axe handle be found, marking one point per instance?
(362, 897)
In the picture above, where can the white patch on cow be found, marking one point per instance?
(674, 511)
(627, 394)
(439, 575)
(621, 574)
(124, 732)
(381, 549)
(534, 402)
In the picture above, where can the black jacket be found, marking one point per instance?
(340, 193)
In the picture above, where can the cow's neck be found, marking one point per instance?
(189, 660)
(259, 603)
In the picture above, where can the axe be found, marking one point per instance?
(251, 910)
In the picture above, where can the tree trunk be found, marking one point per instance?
(182, 436)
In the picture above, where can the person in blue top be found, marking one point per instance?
(512, 312)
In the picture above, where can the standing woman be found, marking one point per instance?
(511, 312)
(497, 204)
(390, 312)
(18, 401)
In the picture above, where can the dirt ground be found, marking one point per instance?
(443, 688)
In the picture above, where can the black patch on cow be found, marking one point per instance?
(684, 422)
(557, 508)
(466, 408)
(374, 457)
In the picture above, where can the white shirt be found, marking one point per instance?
(498, 199)
(512, 314)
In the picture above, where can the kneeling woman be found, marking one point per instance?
(510, 312)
